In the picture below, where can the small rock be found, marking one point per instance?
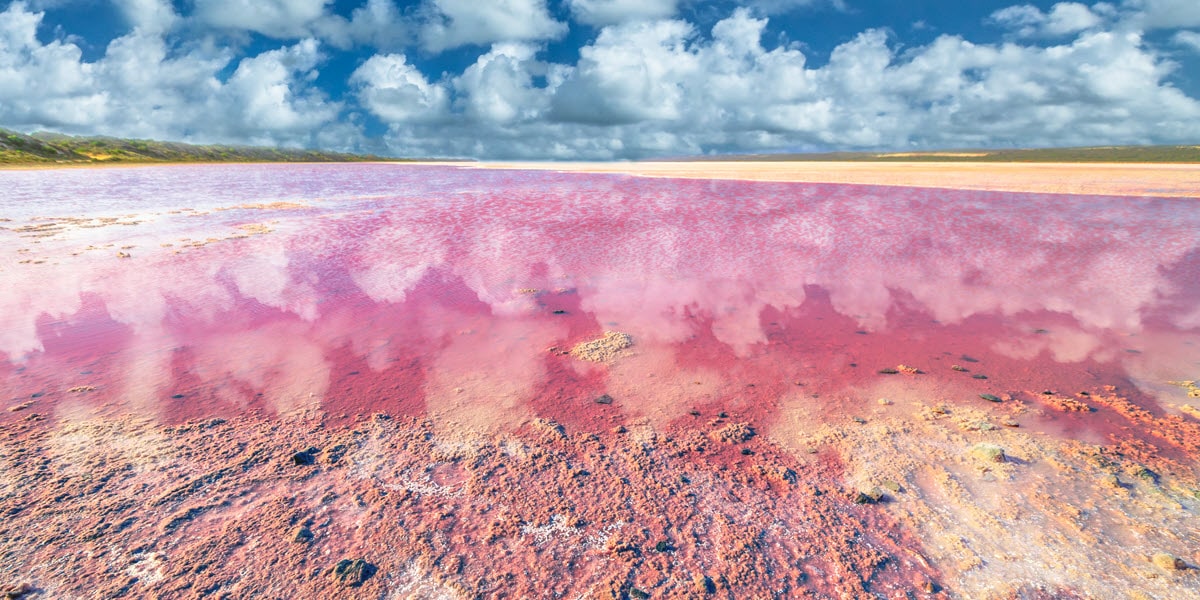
(1168, 562)
(302, 535)
(991, 397)
(959, 368)
(604, 399)
(871, 496)
(988, 453)
(747, 452)
(1010, 422)
(859, 420)
(636, 593)
(13, 592)
(664, 547)
(891, 486)
(352, 572)
(885, 402)
(979, 376)
(888, 371)
(619, 429)
(301, 459)
(703, 584)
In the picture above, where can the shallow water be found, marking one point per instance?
(400, 346)
(442, 290)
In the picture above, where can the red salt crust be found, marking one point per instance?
(221, 518)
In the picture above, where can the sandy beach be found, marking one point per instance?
(1124, 179)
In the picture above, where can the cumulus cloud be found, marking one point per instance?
(659, 88)
(397, 92)
(273, 18)
(151, 16)
(1064, 18)
(142, 87)
(1165, 14)
(1189, 39)
(454, 23)
(610, 12)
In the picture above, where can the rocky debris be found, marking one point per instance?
(604, 399)
(987, 453)
(734, 433)
(991, 397)
(1168, 562)
(351, 572)
(15, 592)
(604, 349)
(872, 495)
(1065, 404)
(302, 535)
(82, 388)
(907, 370)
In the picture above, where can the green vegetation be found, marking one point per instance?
(1098, 154)
(53, 148)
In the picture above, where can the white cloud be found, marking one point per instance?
(659, 88)
(1165, 14)
(1189, 39)
(631, 73)
(1064, 18)
(610, 12)
(397, 92)
(273, 18)
(151, 16)
(141, 87)
(454, 23)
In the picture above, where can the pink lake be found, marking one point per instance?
(440, 291)
(820, 390)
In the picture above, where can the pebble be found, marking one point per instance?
(1168, 562)
(990, 397)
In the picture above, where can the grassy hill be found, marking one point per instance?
(52, 148)
(1097, 154)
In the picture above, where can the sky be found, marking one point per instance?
(605, 79)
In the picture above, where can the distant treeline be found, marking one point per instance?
(54, 148)
(1097, 154)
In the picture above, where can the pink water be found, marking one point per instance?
(441, 291)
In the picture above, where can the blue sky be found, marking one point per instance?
(605, 79)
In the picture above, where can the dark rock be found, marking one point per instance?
(703, 584)
(301, 459)
(979, 376)
(302, 535)
(991, 397)
(352, 572)
(664, 547)
(969, 359)
(560, 312)
(747, 452)
(888, 371)
(177, 396)
(604, 399)
(636, 593)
